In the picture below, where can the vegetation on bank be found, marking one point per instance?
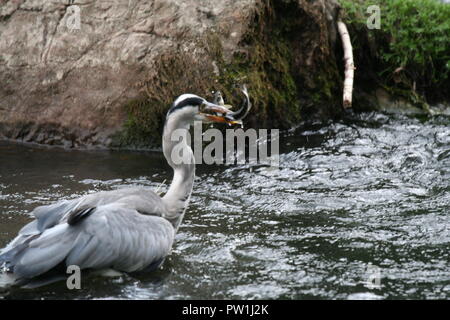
(409, 55)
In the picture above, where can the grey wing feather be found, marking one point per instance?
(142, 199)
(125, 231)
(46, 217)
(44, 252)
(137, 240)
(112, 237)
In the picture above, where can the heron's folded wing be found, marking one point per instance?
(111, 237)
(121, 238)
(142, 199)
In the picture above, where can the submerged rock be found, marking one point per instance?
(76, 73)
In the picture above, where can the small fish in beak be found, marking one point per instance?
(222, 112)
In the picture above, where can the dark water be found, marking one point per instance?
(368, 192)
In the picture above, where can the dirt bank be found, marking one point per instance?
(108, 81)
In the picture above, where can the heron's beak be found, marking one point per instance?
(217, 113)
(224, 119)
(221, 113)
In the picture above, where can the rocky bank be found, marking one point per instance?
(82, 73)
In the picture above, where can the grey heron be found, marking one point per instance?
(127, 230)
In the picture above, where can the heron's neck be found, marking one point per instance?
(180, 157)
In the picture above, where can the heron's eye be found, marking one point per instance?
(202, 108)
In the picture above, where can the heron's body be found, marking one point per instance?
(123, 229)
(128, 230)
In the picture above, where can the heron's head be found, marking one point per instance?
(190, 108)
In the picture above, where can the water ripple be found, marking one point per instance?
(370, 190)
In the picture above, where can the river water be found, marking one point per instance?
(359, 209)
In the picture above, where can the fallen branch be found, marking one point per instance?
(349, 65)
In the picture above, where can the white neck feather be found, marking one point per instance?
(179, 193)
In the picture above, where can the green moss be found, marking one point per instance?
(409, 54)
(142, 127)
(282, 89)
(267, 71)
